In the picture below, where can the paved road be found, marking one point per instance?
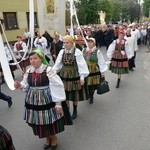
(119, 120)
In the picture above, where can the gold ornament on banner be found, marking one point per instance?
(50, 6)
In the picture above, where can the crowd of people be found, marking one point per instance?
(78, 69)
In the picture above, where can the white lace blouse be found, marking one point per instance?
(81, 63)
(55, 83)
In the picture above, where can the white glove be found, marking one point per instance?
(123, 52)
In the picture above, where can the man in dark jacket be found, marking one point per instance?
(56, 46)
(109, 36)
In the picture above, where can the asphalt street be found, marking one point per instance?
(118, 120)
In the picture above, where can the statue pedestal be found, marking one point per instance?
(51, 15)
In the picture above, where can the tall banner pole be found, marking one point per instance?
(71, 17)
(31, 23)
(77, 20)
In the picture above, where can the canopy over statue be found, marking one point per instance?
(102, 16)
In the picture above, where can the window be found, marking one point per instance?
(35, 19)
(10, 20)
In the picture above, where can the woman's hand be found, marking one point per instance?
(82, 82)
(54, 56)
(102, 76)
(17, 85)
(58, 109)
(123, 53)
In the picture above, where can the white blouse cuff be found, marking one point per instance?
(58, 103)
(82, 77)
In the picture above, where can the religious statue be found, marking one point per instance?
(102, 16)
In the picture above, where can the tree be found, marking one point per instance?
(116, 10)
(146, 8)
(131, 10)
(106, 6)
(88, 11)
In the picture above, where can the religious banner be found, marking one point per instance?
(51, 16)
(50, 6)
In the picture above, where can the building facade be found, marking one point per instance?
(48, 15)
(15, 17)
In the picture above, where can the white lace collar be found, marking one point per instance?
(39, 70)
(69, 51)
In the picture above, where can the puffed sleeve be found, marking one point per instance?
(135, 45)
(25, 48)
(24, 82)
(58, 64)
(101, 62)
(82, 66)
(111, 49)
(128, 50)
(35, 42)
(44, 43)
(56, 86)
(15, 49)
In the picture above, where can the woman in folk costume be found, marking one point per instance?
(96, 65)
(119, 53)
(131, 39)
(46, 111)
(73, 69)
(20, 48)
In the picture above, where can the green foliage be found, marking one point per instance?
(106, 6)
(146, 8)
(116, 10)
(131, 10)
(87, 10)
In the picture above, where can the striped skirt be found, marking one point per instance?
(94, 78)
(40, 113)
(71, 80)
(119, 63)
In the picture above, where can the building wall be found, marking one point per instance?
(21, 7)
(50, 22)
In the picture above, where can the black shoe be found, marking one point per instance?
(117, 86)
(74, 115)
(131, 69)
(54, 147)
(3, 81)
(9, 102)
(118, 82)
(91, 100)
(45, 146)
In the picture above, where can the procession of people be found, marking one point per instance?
(78, 69)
